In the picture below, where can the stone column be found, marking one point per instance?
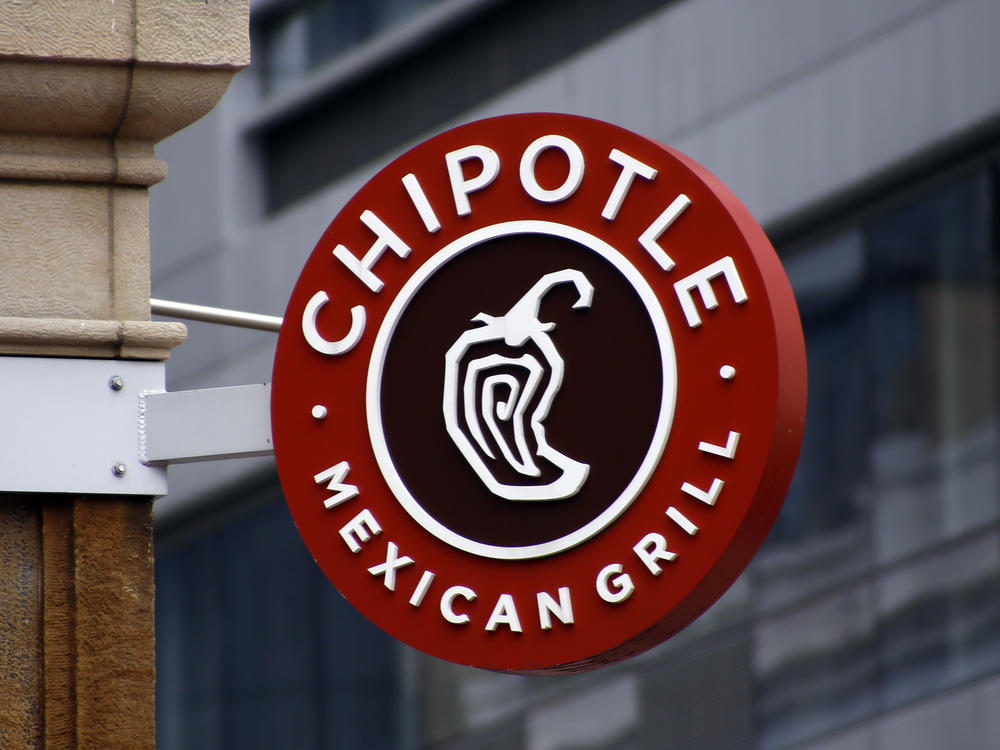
(87, 87)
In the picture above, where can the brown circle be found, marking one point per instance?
(612, 378)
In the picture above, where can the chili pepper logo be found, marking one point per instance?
(491, 397)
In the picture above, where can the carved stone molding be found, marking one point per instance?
(86, 91)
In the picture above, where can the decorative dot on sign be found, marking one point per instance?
(727, 372)
(319, 411)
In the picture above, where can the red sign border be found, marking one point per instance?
(759, 485)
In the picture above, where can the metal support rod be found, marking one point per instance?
(206, 314)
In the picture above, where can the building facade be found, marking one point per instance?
(865, 138)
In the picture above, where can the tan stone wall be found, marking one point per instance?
(182, 32)
(87, 87)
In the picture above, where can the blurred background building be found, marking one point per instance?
(863, 134)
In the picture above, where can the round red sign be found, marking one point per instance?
(539, 394)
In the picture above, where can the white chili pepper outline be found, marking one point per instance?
(518, 326)
(377, 361)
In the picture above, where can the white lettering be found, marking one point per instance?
(504, 613)
(461, 187)
(650, 238)
(322, 345)
(622, 583)
(530, 156)
(708, 497)
(681, 520)
(448, 600)
(726, 451)
(630, 168)
(360, 529)
(700, 280)
(421, 590)
(385, 239)
(650, 549)
(420, 202)
(547, 606)
(392, 563)
(335, 476)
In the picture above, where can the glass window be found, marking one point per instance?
(460, 55)
(256, 649)
(933, 338)
(814, 667)
(880, 583)
(828, 279)
(901, 321)
(296, 40)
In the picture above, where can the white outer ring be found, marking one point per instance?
(373, 391)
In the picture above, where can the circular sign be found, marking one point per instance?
(539, 394)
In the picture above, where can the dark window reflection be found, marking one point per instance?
(934, 333)
(883, 570)
(303, 35)
(256, 649)
(829, 283)
(901, 323)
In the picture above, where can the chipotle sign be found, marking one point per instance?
(539, 394)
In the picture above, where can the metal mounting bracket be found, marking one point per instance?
(205, 425)
(108, 427)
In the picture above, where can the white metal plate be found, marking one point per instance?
(64, 429)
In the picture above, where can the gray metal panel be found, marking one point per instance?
(206, 424)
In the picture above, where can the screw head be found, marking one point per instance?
(118, 468)
(116, 383)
